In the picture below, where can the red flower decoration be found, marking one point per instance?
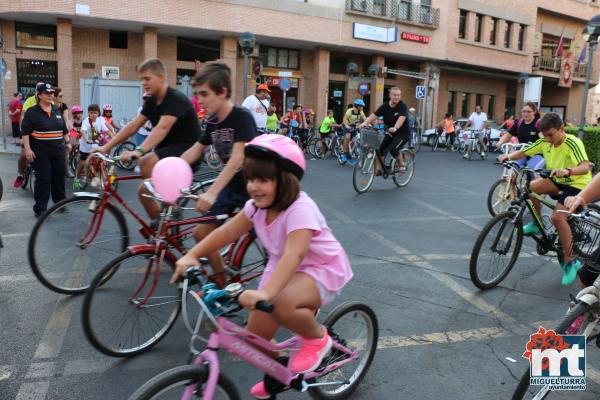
(544, 340)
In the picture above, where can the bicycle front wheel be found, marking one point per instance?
(73, 240)
(172, 384)
(133, 310)
(417, 141)
(364, 172)
(403, 178)
(580, 311)
(122, 148)
(496, 250)
(502, 193)
(353, 325)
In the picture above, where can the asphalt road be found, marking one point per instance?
(440, 337)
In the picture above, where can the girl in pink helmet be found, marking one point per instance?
(307, 266)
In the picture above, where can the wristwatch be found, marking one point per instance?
(140, 150)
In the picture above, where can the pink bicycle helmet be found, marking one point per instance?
(282, 149)
(76, 109)
(107, 107)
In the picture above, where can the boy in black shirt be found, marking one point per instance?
(228, 128)
(175, 126)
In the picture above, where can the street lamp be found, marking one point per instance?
(247, 42)
(590, 35)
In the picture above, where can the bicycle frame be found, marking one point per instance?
(247, 346)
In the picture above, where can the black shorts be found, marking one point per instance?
(588, 275)
(324, 134)
(172, 150)
(564, 191)
(227, 202)
(83, 156)
(394, 143)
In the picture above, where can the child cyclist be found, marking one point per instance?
(307, 266)
(93, 134)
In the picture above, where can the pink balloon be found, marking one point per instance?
(169, 176)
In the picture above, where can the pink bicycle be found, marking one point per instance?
(352, 325)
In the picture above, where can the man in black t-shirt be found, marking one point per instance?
(395, 115)
(228, 128)
(175, 126)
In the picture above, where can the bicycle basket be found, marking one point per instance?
(586, 242)
(371, 137)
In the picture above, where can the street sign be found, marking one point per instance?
(420, 92)
(363, 89)
(285, 84)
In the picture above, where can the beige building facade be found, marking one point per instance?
(464, 52)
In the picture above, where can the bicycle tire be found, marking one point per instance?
(417, 141)
(100, 283)
(356, 308)
(476, 252)
(369, 172)
(403, 179)
(119, 149)
(503, 204)
(197, 374)
(435, 142)
(523, 386)
(1, 188)
(36, 260)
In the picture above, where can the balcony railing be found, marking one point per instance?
(552, 64)
(402, 10)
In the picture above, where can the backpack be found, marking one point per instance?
(537, 124)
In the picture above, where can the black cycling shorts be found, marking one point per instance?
(227, 202)
(588, 275)
(172, 150)
(394, 143)
(83, 155)
(564, 191)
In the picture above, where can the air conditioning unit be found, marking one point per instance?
(360, 5)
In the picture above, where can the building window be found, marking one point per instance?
(550, 44)
(478, 100)
(478, 25)
(404, 9)
(379, 7)
(490, 110)
(464, 104)
(180, 73)
(507, 34)
(521, 37)
(337, 65)
(279, 58)
(462, 23)
(30, 72)
(117, 40)
(35, 36)
(451, 100)
(493, 31)
(190, 49)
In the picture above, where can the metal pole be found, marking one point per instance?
(284, 101)
(3, 69)
(245, 74)
(586, 88)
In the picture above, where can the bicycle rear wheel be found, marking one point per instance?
(417, 141)
(353, 325)
(403, 178)
(496, 250)
(134, 309)
(502, 193)
(73, 240)
(523, 390)
(172, 384)
(364, 171)
(435, 142)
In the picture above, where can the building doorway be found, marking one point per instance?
(337, 99)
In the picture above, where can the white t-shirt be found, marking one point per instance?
(86, 134)
(478, 120)
(258, 109)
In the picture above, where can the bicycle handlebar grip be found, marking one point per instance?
(264, 306)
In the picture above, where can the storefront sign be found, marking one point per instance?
(284, 74)
(533, 90)
(338, 93)
(110, 72)
(375, 33)
(273, 81)
(82, 9)
(413, 37)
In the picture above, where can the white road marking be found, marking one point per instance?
(6, 371)
(25, 277)
(56, 329)
(15, 235)
(33, 391)
(40, 370)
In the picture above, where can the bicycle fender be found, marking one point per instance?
(88, 194)
(149, 248)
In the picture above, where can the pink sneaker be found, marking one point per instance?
(311, 354)
(259, 391)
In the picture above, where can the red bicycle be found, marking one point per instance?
(78, 235)
(130, 305)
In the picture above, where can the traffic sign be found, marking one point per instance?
(285, 84)
(363, 89)
(420, 92)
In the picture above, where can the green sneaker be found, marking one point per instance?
(76, 185)
(531, 229)
(570, 272)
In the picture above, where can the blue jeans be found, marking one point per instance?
(139, 139)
